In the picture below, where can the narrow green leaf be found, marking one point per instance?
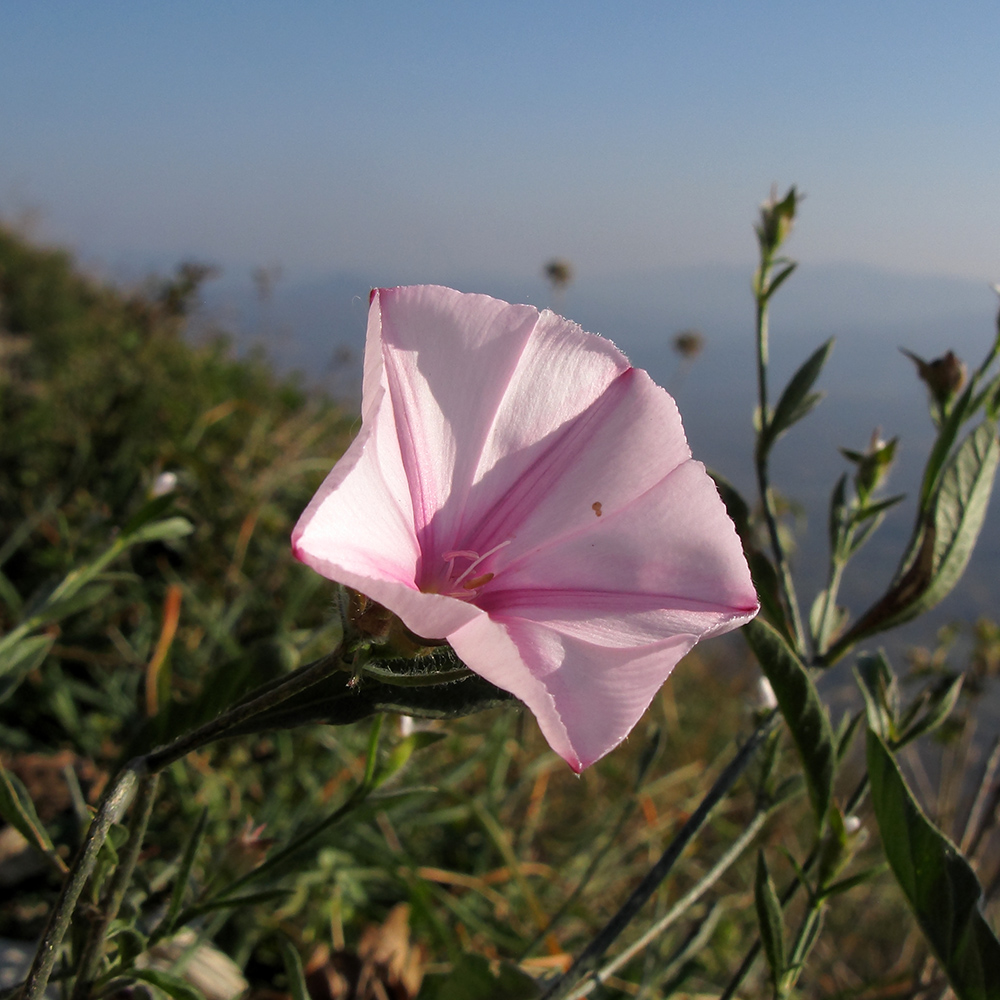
(160, 531)
(852, 881)
(72, 603)
(868, 529)
(937, 881)
(942, 546)
(10, 597)
(401, 753)
(797, 400)
(838, 514)
(878, 508)
(18, 662)
(242, 903)
(149, 511)
(959, 510)
(769, 920)
(765, 577)
(880, 692)
(931, 709)
(845, 736)
(779, 279)
(800, 704)
(184, 871)
(293, 971)
(18, 810)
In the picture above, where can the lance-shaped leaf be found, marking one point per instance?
(797, 400)
(803, 711)
(19, 661)
(937, 881)
(762, 571)
(943, 542)
(769, 920)
(18, 810)
(880, 692)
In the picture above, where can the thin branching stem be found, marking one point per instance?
(677, 910)
(761, 293)
(112, 808)
(588, 959)
(789, 893)
(93, 949)
(123, 789)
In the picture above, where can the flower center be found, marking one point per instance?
(466, 584)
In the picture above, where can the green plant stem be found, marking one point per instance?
(760, 459)
(592, 954)
(676, 911)
(304, 677)
(111, 810)
(122, 790)
(837, 566)
(788, 894)
(93, 950)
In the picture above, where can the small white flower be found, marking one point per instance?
(765, 697)
(165, 482)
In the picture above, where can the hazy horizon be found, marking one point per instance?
(434, 137)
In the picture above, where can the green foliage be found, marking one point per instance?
(804, 713)
(797, 401)
(937, 881)
(100, 393)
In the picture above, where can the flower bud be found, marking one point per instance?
(873, 465)
(944, 376)
(776, 220)
(383, 629)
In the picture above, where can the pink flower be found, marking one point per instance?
(518, 489)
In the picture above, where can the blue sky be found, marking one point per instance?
(440, 138)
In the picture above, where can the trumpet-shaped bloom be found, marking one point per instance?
(518, 489)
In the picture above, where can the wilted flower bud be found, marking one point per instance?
(689, 343)
(944, 376)
(559, 273)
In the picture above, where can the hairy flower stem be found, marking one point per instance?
(588, 959)
(123, 788)
(93, 949)
(762, 293)
(116, 800)
(273, 695)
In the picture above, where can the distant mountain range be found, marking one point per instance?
(302, 323)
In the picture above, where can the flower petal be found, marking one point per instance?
(628, 439)
(675, 541)
(448, 361)
(585, 697)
